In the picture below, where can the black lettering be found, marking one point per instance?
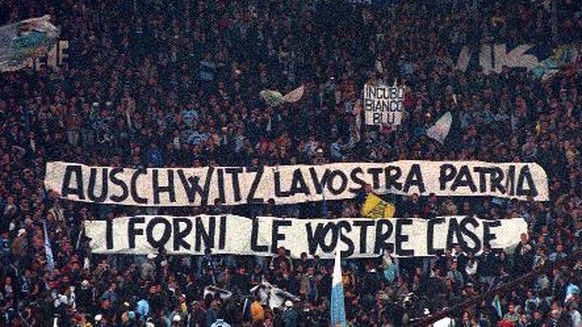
(392, 174)
(222, 233)
(453, 233)
(319, 184)
(77, 190)
(254, 239)
(124, 189)
(221, 195)
(464, 179)
(192, 187)
(92, 183)
(343, 185)
(132, 231)
(315, 238)
(133, 187)
(375, 177)
(169, 188)
(380, 242)
(510, 182)
(525, 176)
(356, 179)
(400, 238)
(345, 238)
(275, 235)
(467, 233)
(364, 225)
(414, 178)
(447, 174)
(487, 235)
(109, 234)
(202, 235)
(482, 171)
(161, 240)
(298, 184)
(235, 181)
(278, 192)
(430, 235)
(377, 118)
(256, 182)
(496, 180)
(179, 235)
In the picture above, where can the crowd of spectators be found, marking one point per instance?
(175, 84)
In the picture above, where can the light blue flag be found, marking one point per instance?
(497, 305)
(50, 260)
(338, 310)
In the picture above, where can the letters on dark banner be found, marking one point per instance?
(355, 237)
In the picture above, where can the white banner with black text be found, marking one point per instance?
(383, 105)
(178, 187)
(262, 236)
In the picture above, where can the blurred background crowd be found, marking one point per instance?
(175, 84)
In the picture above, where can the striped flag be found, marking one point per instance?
(497, 305)
(338, 310)
(50, 260)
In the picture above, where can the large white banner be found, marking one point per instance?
(355, 237)
(383, 105)
(173, 187)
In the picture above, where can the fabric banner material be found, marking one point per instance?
(441, 128)
(338, 309)
(26, 40)
(383, 105)
(375, 207)
(262, 236)
(176, 187)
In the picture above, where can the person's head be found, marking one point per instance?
(281, 251)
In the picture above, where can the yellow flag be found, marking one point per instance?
(374, 207)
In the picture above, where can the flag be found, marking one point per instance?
(213, 290)
(375, 207)
(294, 95)
(50, 260)
(275, 98)
(441, 128)
(272, 98)
(338, 310)
(497, 305)
(22, 42)
(272, 296)
(445, 322)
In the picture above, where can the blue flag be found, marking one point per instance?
(338, 310)
(497, 305)
(50, 260)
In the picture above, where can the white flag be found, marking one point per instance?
(441, 128)
(294, 95)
